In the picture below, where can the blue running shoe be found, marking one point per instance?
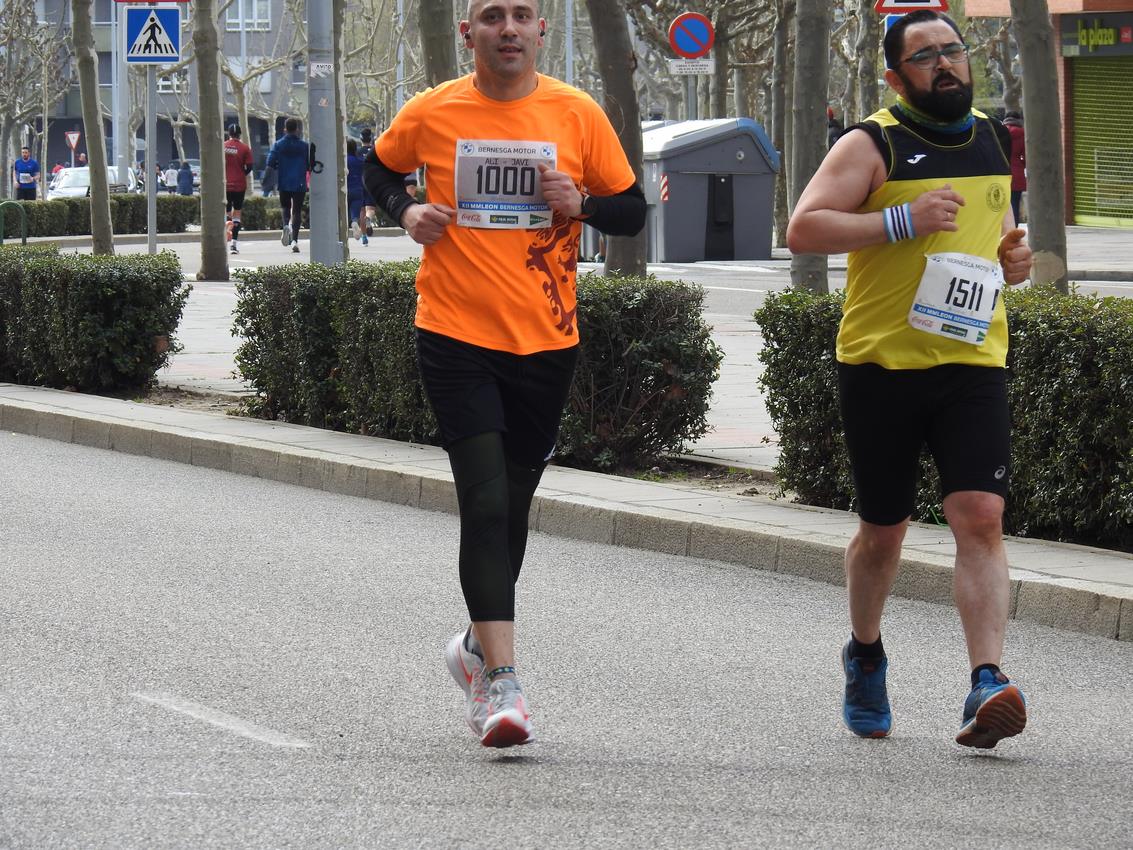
(865, 709)
(995, 709)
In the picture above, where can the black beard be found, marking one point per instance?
(946, 106)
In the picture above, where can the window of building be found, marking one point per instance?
(105, 68)
(173, 83)
(104, 11)
(257, 15)
(299, 72)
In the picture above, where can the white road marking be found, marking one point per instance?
(736, 289)
(224, 721)
(719, 267)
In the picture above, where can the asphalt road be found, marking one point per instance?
(197, 659)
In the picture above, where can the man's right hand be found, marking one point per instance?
(426, 223)
(936, 210)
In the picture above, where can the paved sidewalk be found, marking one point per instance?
(1068, 587)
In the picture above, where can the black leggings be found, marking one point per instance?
(292, 201)
(494, 495)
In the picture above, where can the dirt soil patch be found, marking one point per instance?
(202, 402)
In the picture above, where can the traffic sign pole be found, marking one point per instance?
(691, 36)
(151, 158)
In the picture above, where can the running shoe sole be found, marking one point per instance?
(285, 237)
(507, 729)
(1002, 715)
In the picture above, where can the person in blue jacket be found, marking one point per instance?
(354, 190)
(290, 157)
(185, 179)
(25, 176)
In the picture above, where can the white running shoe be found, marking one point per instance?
(467, 668)
(508, 722)
(295, 247)
(234, 249)
(285, 237)
(355, 230)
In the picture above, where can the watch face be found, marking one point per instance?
(589, 205)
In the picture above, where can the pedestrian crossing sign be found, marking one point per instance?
(153, 35)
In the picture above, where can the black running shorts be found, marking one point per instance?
(235, 201)
(958, 411)
(474, 390)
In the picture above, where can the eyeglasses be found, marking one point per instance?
(956, 54)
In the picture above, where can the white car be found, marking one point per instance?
(75, 182)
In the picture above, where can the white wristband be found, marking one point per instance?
(899, 223)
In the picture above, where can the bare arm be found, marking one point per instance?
(826, 220)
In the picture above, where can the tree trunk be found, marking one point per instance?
(102, 233)
(780, 122)
(720, 66)
(616, 63)
(438, 41)
(808, 117)
(210, 130)
(1046, 186)
(867, 49)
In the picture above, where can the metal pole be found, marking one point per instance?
(122, 116)
(399, 90)
(115, 90)
(243, 45)
(569, 50)
(690, 97)
(151, 158)
(324, 119)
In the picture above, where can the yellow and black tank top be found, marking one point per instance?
(882, 279)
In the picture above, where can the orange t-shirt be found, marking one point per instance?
(505, 289)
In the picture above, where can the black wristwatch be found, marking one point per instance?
(589, 206)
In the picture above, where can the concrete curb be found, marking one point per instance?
(797, 540)
(187, 236)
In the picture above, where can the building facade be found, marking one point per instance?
(1095, 72)
(252, 32)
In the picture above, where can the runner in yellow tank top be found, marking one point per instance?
(919, 196)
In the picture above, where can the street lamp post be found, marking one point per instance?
(326, 248)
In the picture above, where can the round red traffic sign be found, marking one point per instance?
(691, 35)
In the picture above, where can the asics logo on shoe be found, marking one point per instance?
(913, 160)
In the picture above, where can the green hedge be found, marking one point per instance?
(71, 216)
(1070, 385)
(334, 348)
(86, 323)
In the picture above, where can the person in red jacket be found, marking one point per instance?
(1014, 123)
(237, 167)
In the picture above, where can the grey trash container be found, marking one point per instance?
(710, 187)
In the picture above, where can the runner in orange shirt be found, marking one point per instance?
(514, 161)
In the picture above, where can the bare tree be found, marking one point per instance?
(1046, 188)
(438, 40)
(782, 86)
(34, 76)
(206, 47)
(808, 116)
(82, 36)
(616, 60)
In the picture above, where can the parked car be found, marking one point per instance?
(75, 182)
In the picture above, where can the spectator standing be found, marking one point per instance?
(1014, 123)
(82, 161)
(170, 177)
(834, 128)
(25, 176)
(290, 158)
(237, 167)
(59, 166)
(185, 179)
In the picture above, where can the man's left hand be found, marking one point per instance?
(1015, 256)
(560, 192)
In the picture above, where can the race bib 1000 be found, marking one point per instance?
(498, 184)
(957, 297)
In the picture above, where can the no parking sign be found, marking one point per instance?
(691, 35)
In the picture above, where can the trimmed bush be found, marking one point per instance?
(87, 323)
(335, 348)
(646, 367)
(1070, 385)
